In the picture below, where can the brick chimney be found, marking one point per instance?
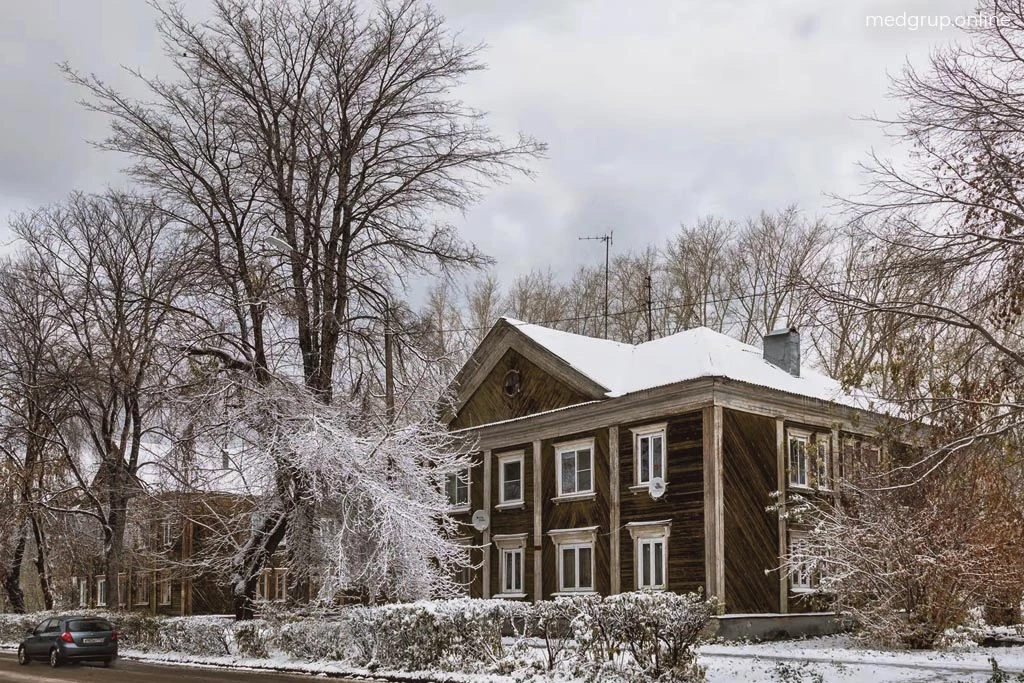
(782, 349)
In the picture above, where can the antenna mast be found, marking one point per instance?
(607, 239)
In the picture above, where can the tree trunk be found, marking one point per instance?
(42, 566)
(12, 575)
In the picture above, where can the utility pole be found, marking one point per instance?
(607, 239)
(650, 318)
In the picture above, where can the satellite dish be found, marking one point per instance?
(656, 488)
(480, 520)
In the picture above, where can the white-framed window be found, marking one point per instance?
(801, 578)
(822, 461)
(463, 575)
(510, 478)
(650, 546)
(166, 533)
(280, 584)
(797, 460)
(575, 463)
(456, 487)
(263, 585)
(164, 592)
(511, 564)
(122, 589)
(141, 592)
(101, 591)
(574, 550)
(649, 453)
(83, 592)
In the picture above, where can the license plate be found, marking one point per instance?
(92, 641)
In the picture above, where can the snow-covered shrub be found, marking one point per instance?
(249, 638)
(14, 626)
(194, 635)
(452, 635)
(138, 631)
(312, 639)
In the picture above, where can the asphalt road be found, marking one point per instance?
(124, 671)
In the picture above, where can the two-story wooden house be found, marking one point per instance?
(604, 467)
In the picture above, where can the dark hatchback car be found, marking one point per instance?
(70, 639)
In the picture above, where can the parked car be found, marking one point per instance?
(70, 639)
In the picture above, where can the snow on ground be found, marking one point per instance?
(838, 659)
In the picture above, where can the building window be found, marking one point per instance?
(141, 589)
(263, 585)
(101, 591)
(83, 592)
(281, 584)
(650, 545)
(801, 577)
(122, 589)
(798, 458)
(166, 533)
(574, 549)
(456, 486)
(575, 468)
(511, 564)
(822, 471)
(165, 589)
(463, 576)
(649, 453)
(510, 479)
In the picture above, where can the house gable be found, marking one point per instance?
(498, 398)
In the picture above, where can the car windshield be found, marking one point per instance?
(89, 625)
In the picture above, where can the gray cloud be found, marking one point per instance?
(656, 111)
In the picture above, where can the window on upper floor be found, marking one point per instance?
(456, 486)
(797, 460)
(575, 468)
(166, 533)
(510, 478)
(649, 453)
(823, 458)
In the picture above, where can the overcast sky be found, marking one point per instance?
(655, 111)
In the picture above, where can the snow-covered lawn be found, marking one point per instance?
(838, 659)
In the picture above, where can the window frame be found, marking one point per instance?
(280, 585)
(795, 537)
(648, 432)
(575, 539)
(797, 436)
(511, 545)
(823, 464)
(166, 533)
(457, 506)
(101, 590)
(650, 532)
(574, 447)
(83, 591)
(123, 586)
(263, 586)
(141, 587)
(165, 589)
(503, 459)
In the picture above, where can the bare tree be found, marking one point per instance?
(334, 131)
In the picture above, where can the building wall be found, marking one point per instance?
(749, 475)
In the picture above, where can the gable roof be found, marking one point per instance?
(700, 352)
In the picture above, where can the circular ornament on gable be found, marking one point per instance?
(512, 383)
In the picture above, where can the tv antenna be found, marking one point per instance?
(607, 239)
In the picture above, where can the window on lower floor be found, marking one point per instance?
(101, 591)
(801, 574)
(463, 574)
(651, 572)
(165, 591)
(576, 567)
(141, 589)
(83, 592)
(263, 585)
(281, 584)
(122, 590)
(511, 571)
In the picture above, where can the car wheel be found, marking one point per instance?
(22, 656)
(54, 658)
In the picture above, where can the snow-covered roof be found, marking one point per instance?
(691, 354)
